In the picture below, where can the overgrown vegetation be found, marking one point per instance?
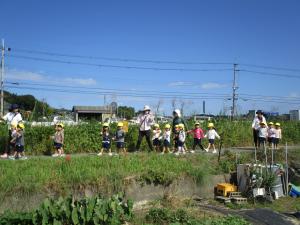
(64, 211)
(162, 216)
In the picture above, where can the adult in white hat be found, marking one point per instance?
(258, 119)
(145, 120)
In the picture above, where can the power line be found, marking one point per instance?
(271, 74)
(149, 60)
(120, 94)
(151, 68)
(114, 89)
(153, 95)
(116, 66)
(119, 59)
(158, 93)
(271, 96)
(270, 67)
(143, 96)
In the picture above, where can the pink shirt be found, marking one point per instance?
(198, 133)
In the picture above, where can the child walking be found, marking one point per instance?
(156, 137)
(278, 135)
(18, 140)
(175, 138)
(166, 139)
(198, 135)
(12, 142)
(181, 139)
(120, 138)
(59, 138)
(262, 134)
(211, 135)
(105, 140)
(271, 134)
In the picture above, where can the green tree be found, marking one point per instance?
(126, 112)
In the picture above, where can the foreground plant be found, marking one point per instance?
(66, 211)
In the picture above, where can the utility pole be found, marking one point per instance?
(234, 88)
(2, 75)
(3, 49)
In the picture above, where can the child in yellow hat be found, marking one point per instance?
(166, 139)
(262, 134)
(120, 138)
(18, 140)
(211, 134)
(156, 138)
(58, 139)
(181, 139)
(12, 141)
(278, 135)
(105, 140)
(198, 135)
(271, 134)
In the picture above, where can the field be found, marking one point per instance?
(62, 177)
(41, 176)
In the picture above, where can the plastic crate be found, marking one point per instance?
(223, 189)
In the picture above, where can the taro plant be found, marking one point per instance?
(64, 211)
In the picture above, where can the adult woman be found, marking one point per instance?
(12, 117)
(145, 120)
(177, 119)
(258, 119)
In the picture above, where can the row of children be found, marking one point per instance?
(17, 142)
(270, 133)
(179, 138)
(161, 139)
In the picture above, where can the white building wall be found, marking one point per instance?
(295, 114)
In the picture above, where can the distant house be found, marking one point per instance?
(99, 113)
(295, 114)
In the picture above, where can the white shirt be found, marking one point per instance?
(156, 134)
(181, 136)
(278, 133)
(12, 118)
(167, 135)
(212, 134)
(263, 132)
(271, 132)
(145, 121)
(256, 122)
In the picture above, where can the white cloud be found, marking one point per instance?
(24, 75)
(180, 83)
(79, 81)
(212, 85)
(294, 95)
(40, 77)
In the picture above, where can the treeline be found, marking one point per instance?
(31, 108)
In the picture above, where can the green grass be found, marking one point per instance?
(62, 176)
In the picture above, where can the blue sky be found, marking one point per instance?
(260, 32)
